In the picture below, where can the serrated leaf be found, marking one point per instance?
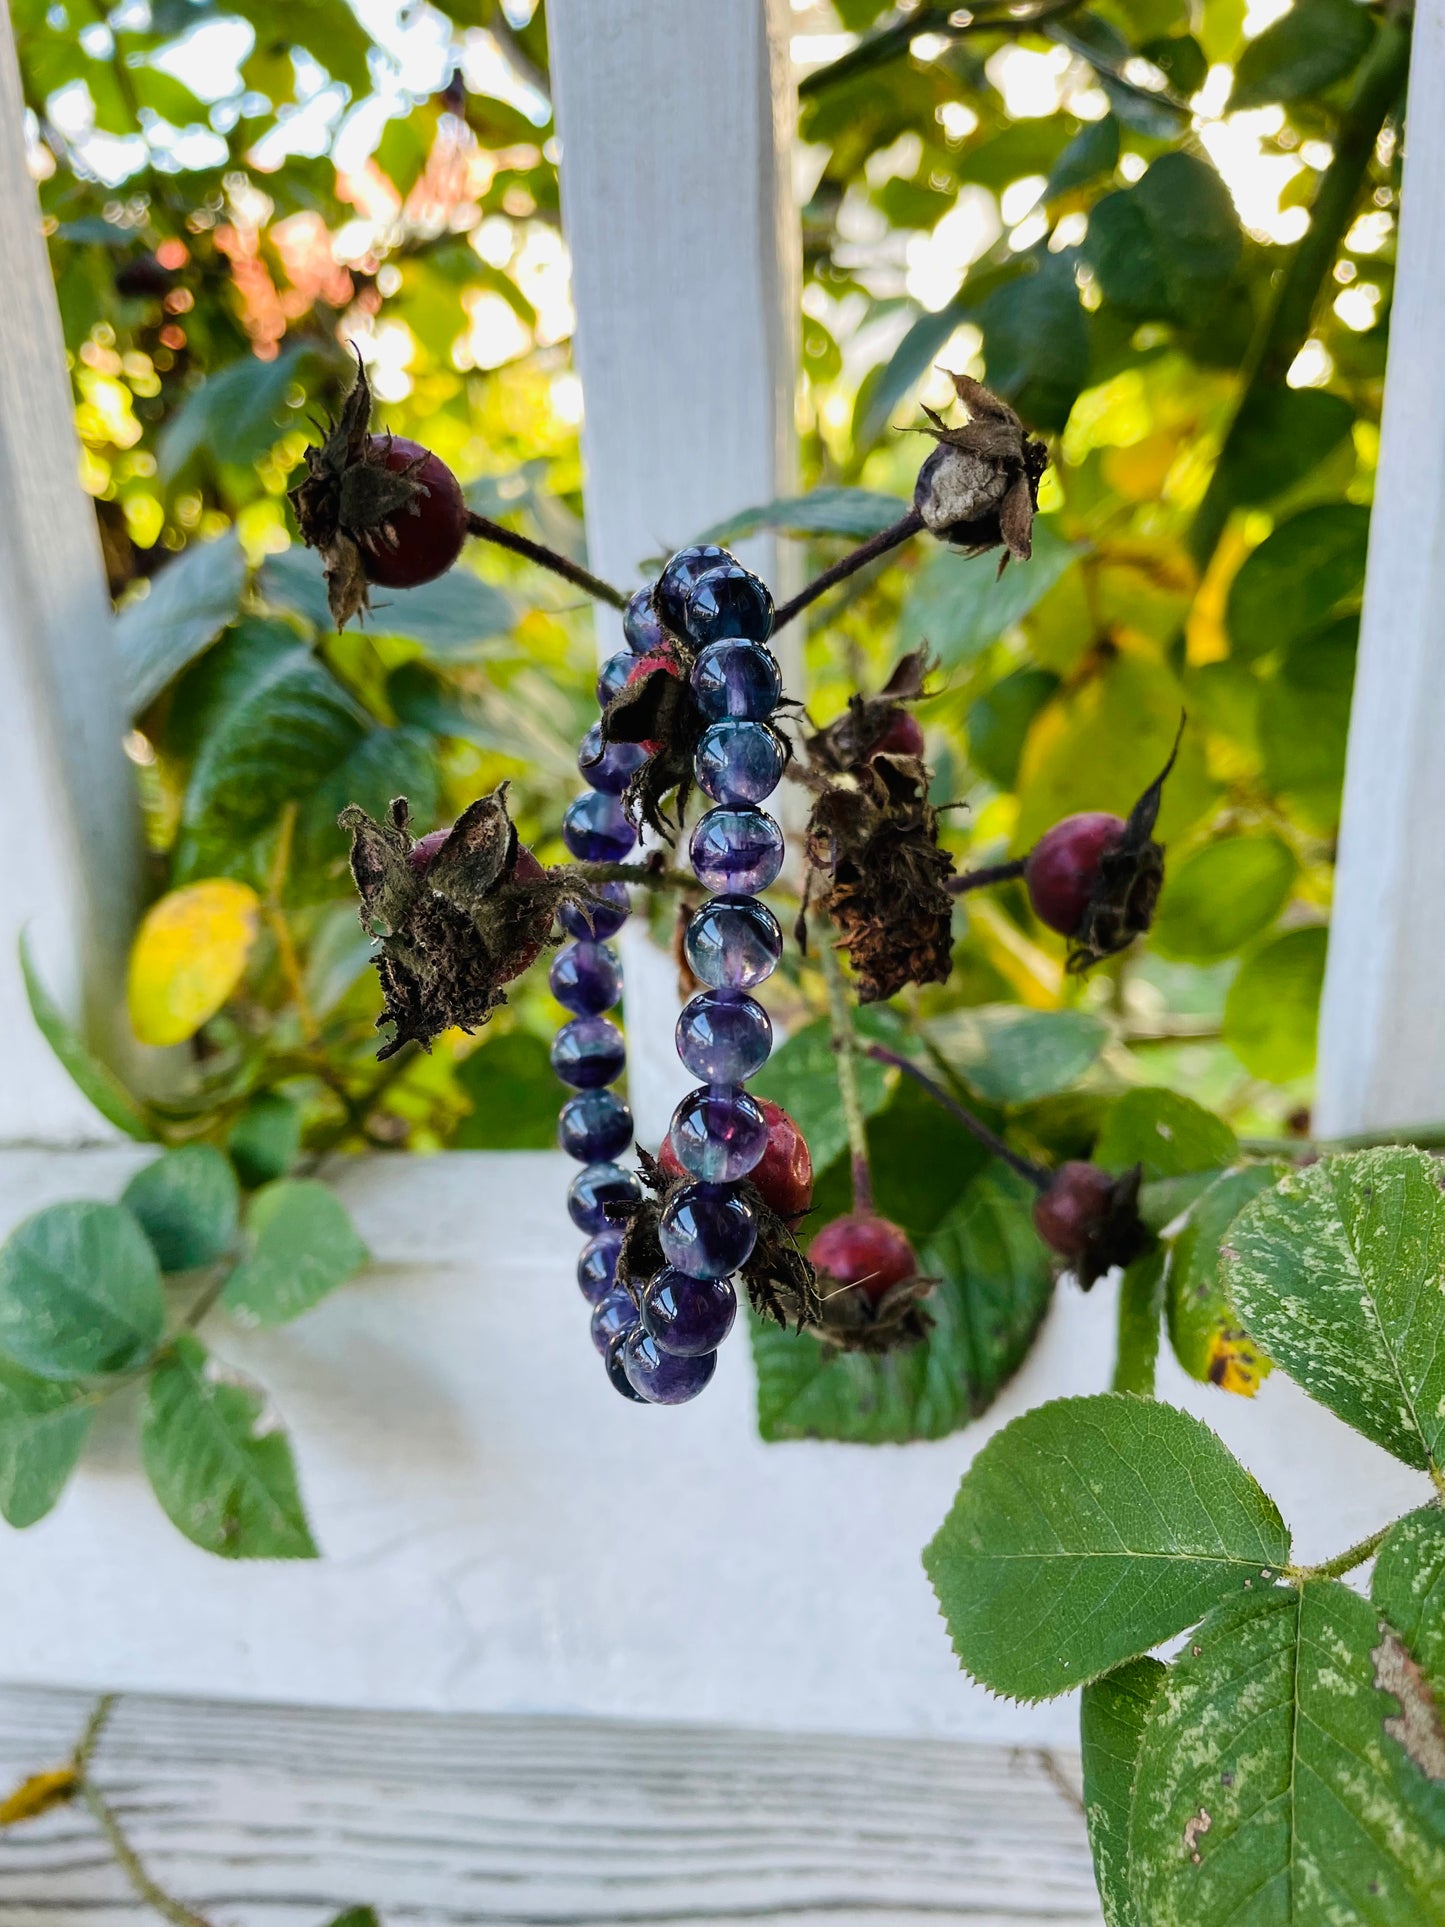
(384, 764)
(302, 1246)
(1303, 573)
(236, 414)
(1309, 48)
(95, 1081)
(1337, 1272)
(1271, 1015)
(512, 1088)
(998, 722)
(43, 1428)
(1204, 1326)
(1013, 1055)
(1221, 896)
(859, 512)
(1408, 1586)
(1165, 246)
(1093, 151)
(452, 618)
(1168, 1134)
(218, 1462)
(956, 606)
(1141, 1313)
(187, 1203)
(1088, 1531)
(802, 1076)
(1282, 435)
(1036, 342)
(188, 605)
(1267, 1788)
(187, 957)
(265, 1140)
(1111, 1725)
(1304, 721)
(80, 1293)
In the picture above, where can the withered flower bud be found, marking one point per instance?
(873, 725)
(1091, 1220)
(980, 486)
(656, 709)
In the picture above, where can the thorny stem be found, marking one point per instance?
(1035, 1173)
(846, 1049)
(1342, 1562)
(991, 873)
(545, 558)
(850, 564)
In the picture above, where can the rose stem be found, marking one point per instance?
(993, 873)
(850, 564)
(129, 1861)
(846, 1049)
(1035, 1173)
(546, 558)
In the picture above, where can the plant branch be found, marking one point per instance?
(893, 41)
(650, 876)
(1342, 1562)
(1026, 1168)
(990, 873)
(488, 531)
(846, 1050)
(1286, 325)
(877, 545)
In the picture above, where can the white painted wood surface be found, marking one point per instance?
(676, 130)
(1382, 1028)
(264, 1817)
(69, 840)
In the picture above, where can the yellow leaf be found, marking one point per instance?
(1141, 470)
(38, 1795)
(188, 956)
(1236, 1364)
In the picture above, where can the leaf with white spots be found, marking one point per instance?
(1268, 1792)
(1111, 1723)
(1408, 1586)
(1339, 1272)
(1088, 1531)
(80, 1293)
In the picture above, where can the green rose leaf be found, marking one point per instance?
(265, 1140)
(1088, 1531)
(855, 512)
(957, 612)
(94, 1080)
(1036, 342)
(1111, 1724)
(1012, 1055)
(1309, 48)
(1168, 1134)
(1141, 1312)
(220, 1466)
(1220, 897)
(1283, 434)
(188, 1204)
(802, 1076)
(43, 1427)
(1267, 1786)
(513, 1091)
(1408, 1586)
(80, 1293)
(1271, 1014)
(188, 605)
(1204, 1327)
(1298, 577)
(1167, 245)
(303, 1245)
(1337, 1272)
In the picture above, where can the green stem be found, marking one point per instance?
(845, 1050)
(1342, 1562)
(1286, 325)
(1035, 1173)
(127, 1859)
(1427, 1137)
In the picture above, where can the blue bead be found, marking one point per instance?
(617, 1370)
(586, 977)
(688, 1316)
(607, 766)
(727, 603)
(613, 676)
(733, 943)
(594, 1125)
(670, 594)
(641, 624)
(599, 919)
(593, 1189)
(596, 830)
(739, 761)
(658, 1376)
(718, 1134)
(597, 1265)
(736, 679)
(707, 1231)
(724, 1036)
(614, 1315)
(736, 850)
(588, 1052)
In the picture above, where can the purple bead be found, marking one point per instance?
(607, 766)
(728, 603)
(586, 977)
(593, 1189)
(617, 1370)
(658, 1376)
(597, 1265)
(736, 679)
(688, 1316)
(670, 594)
(739, 761)
(614, 1315)
(736, 850)
(724, 1036)
(733, 943)
(641, 624)
(613, 676)
(707, 1231)
(588, 1052)
(596, 830)
(718, 1134)
(603, 918)
(594, 1125)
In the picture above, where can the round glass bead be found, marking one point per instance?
(733, 943)
(739, 761)
(588, 1052)
(613, 1316)
(671, 592)
(688, 1316)
(736, 850)
(736, 679)
(593, 1189)
(617, 1370)
(597, 1265)
(641, 624)
(661, 1378)
(601, 918)
(607, 766)
(718, 1134)
(596, 830)
(724, 1036)
(594, 1125)
(707, 1231)
(727, 603)
(586, 977)
(613, 676)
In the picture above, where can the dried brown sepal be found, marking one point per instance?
(979, 489)
(852, 1322)
(852, 738)
(781, 1282)
(659, 711)
(1120, 1235)
(1126, 891)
